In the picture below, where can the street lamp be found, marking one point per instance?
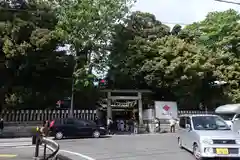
(218, 83)
(213, 84)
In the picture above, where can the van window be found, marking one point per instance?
(188, 120)
(237, 117)
(182, 122)
(227, 116)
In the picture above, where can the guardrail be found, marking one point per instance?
(47, 144)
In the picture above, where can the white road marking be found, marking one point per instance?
(7, 155)
(78, 154)
(19, 147)
(15, 144)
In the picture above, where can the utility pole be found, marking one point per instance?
(73, 84)
(72, 99)
(225, 1)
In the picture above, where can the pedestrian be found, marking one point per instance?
(131, 125)
(118, 125)
(109, 125)
(135, 126)
(1, 125)
(45, 128)
(96, 120)
(158, 125)
(121, 125)
(172, 124)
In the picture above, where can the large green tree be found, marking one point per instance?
(35, 72)
(220, 33)
(147, 54)
(128, 38)
(86, 25)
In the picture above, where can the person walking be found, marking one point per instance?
(172, 124)
(45, 128)
(131, 125)
(135, 126)
(109, 125)
(1, 125)
(121, 125)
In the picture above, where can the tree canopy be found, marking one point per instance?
(29, 56)
(36, 72)
(179, 64)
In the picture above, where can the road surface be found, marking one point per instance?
(17, 149)
(128, 147)
(16, 153)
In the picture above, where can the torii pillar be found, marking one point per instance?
(109, 107)
(140, 108)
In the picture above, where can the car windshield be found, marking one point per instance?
(227, 117)
(209, 123)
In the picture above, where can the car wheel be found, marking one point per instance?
(96, 134)
(180, 143)
(59, 135)
(196, 152)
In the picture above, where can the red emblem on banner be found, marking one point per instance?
(166, 107)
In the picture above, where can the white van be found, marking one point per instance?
(231, 114)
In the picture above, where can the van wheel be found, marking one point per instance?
(96, 134)
(180, 143)
(59, 135)
(196, 152)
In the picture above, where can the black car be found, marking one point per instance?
(71, 127)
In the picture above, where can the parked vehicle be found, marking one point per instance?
(231, 115)
(208, 136)
(71, 127)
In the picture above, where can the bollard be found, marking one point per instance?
(44, 151)
(37, 147)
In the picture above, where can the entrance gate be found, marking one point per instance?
(137, 98)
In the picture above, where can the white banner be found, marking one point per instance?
(166, 109)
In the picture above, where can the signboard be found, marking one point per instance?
(166, 109)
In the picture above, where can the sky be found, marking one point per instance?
(182, 11)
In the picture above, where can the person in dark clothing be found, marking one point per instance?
(1, 125)
(109, 125)
(98, 121)
(131, 125)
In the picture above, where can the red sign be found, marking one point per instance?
(59, 102)
(166, 107)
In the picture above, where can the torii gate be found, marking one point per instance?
(137, 97)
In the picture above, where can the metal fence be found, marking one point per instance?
(195, 112)
(40, 115)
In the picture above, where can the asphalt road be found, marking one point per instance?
(125, 147)
(18, 149)
(16, 153)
